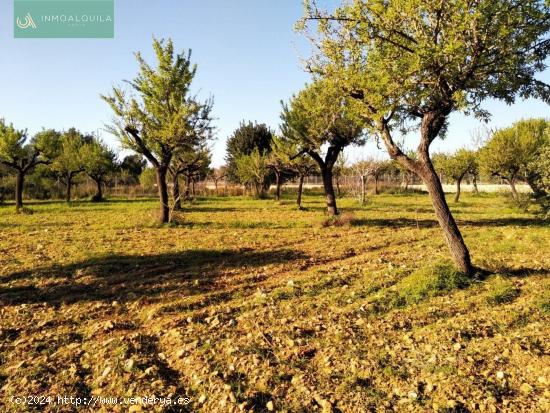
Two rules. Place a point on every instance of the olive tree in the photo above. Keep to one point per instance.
(159, 114)
(412, 63)
(321, 122)
(21, 156)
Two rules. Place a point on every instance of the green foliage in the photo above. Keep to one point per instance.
(244, 140)
(69, 160)
(454, 167)
(252, 170)
(511, 150)
(12, 144)
(411, 57)
(159, 114)
(318, 115)
(98, 159)
(148, 178)
(501, 291)
(131, 168)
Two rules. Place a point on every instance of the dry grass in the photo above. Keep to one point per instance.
(246, 305)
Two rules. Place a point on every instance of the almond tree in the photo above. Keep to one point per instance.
(98, 161)
(69, 161)
(509, 151)
(21, 156)
(321, 122)
(456, 166)
(159, 114)
(412, 63)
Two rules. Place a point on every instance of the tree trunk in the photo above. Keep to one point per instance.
(187, 193)
(277, 186)
(164, 215)
(216, 186)
(512, 183)
(98, 197)
(457, 195)
(193, 187)
(363, 190)
(455, 242)
(376, 185)
(19, 183)
(69, 183)
(329, 192)
(474, 182)
(176, 192)
(300, 187)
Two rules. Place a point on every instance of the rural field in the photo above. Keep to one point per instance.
(253, 305)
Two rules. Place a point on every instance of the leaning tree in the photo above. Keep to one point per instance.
(320, 117)
(412, 63)
(159, 114)
(21, 156)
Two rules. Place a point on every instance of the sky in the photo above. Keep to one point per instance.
(248, 57)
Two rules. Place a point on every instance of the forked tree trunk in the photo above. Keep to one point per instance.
(457, 195)
(176, 192)
(19, 183)
(300, 188)
(455, 242)
(329, 192)
(164, 215)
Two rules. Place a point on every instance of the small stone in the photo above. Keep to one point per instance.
(202, 399)
(129, 365)
(457, 346)
(180, 353)
(500, 374)
(269, 406)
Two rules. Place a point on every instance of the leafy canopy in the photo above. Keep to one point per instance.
(403, 59)
(159, 114)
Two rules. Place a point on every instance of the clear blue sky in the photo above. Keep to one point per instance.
(246, 50)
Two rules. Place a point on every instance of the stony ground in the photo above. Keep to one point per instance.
(256, 306)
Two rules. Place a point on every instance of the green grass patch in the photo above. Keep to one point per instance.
(501, 291)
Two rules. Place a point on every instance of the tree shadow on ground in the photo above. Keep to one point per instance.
(429, 223)
(118, 277)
